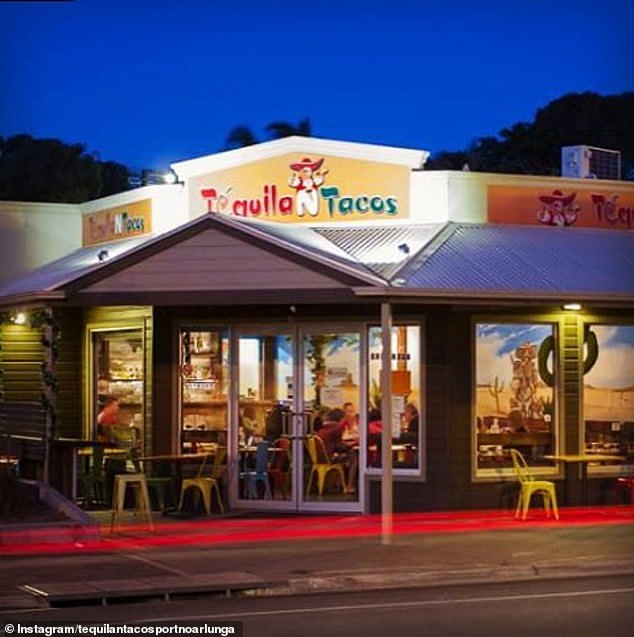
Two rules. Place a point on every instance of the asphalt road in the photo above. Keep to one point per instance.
(584, 607)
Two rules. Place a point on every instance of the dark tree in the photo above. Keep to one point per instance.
(242, 136)
(535, 147)
(50, 170)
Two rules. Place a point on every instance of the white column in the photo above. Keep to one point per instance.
(386, 419)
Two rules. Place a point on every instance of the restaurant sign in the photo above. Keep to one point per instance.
(300, 188)
(120, 222)
(584, 205)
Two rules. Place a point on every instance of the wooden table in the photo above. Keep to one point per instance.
(582, 460)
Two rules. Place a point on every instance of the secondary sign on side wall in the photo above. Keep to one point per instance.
(120, 222)
(589, 204)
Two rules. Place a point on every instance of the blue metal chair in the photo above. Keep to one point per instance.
(259, 474)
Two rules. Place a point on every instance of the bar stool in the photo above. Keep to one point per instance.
(142, 498)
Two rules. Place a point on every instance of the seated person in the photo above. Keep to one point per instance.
(409, 432)
(350, 423)
(375, 428)
(331, 432)
(274, 424)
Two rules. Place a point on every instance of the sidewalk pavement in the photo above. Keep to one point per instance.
(268, 553)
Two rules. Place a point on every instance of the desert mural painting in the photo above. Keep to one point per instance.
(507, 370)
(514, 395)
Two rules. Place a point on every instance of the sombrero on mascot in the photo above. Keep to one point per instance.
(307, 163)
(558, 197)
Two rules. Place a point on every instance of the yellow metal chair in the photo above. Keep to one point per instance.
(207, 485)
(529, 486)
(322, 465)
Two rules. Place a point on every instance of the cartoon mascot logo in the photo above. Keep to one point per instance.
(558, 209)
(306, 180)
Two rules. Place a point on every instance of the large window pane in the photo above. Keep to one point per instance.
(608, 389)
(205, 377)
(406, 398)
(120, 376)
(331, 396)
(514, 395)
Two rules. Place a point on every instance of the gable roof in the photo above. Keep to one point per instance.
(167, 263)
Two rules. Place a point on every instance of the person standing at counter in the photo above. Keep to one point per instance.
(108, 418)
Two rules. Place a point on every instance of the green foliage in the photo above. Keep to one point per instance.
(535, 147)
(50, 170)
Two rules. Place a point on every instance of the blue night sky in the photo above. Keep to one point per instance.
(147, 83)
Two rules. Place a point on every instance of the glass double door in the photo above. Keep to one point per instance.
(296, 441)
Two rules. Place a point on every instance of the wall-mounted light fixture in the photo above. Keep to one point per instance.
(571, 307)
(19, 318)
(170, 177)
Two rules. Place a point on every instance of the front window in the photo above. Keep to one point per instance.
(406, 397)
(204, 373)
(608, 390)
(514, 393)
(118, 362)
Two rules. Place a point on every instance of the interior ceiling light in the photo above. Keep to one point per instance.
(572, 307)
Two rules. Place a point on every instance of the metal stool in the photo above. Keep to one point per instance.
(142, 498)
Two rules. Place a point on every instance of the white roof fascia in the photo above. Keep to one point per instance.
(127, 197)
(410, 158)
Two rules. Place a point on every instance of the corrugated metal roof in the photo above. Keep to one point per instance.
(382, 249)
(433, 259)
(518, 259)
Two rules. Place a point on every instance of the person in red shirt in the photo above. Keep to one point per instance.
(108, 417)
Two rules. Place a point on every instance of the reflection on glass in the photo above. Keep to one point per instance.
(406, 400)
(331, 396)
(514, 393)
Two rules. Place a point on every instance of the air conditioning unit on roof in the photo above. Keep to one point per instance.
(583, 162)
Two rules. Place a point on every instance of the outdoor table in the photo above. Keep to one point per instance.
(582, 460)
(68, 456)
(175, 461)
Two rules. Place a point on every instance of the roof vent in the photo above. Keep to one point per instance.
(586, 162)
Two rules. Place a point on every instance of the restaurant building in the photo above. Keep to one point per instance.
(257, 293)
